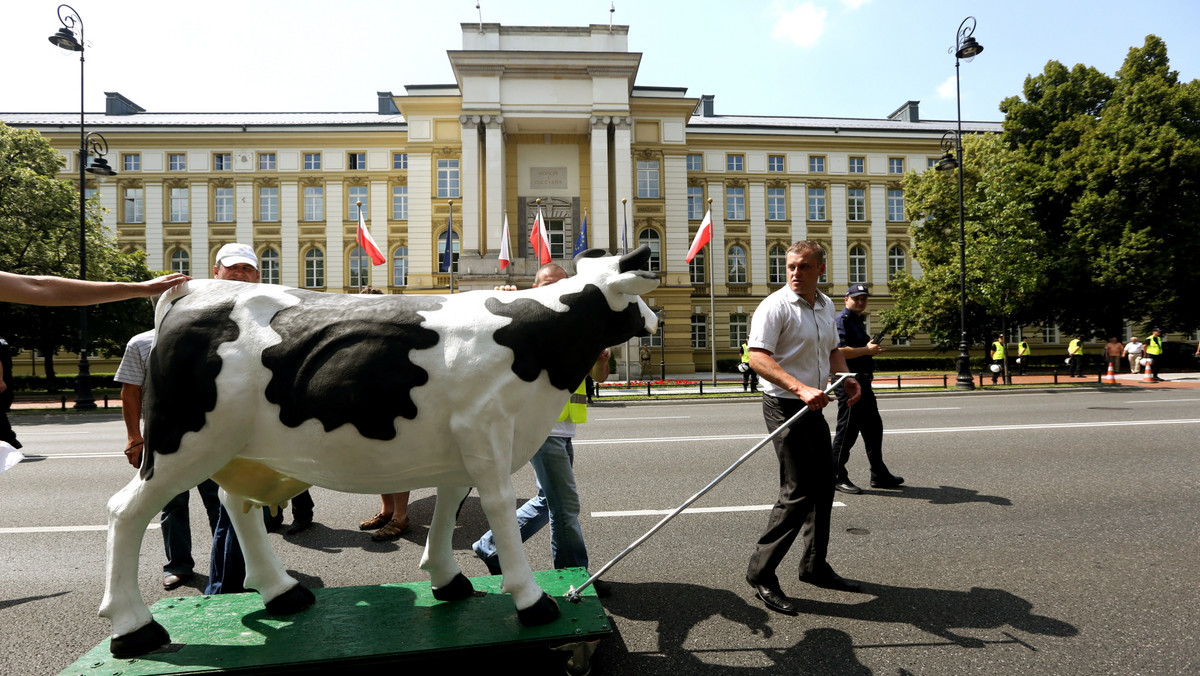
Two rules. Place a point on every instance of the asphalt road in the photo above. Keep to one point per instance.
(1037, 533)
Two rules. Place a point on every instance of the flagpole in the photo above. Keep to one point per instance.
(625, 250)
(450, 242)
(712, 310)
(361, 250)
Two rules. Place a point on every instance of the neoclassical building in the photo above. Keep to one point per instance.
(548, 118)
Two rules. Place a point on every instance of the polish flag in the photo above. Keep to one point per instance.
(703, 236)
(368, 244)
(540, 240)
(505, 259)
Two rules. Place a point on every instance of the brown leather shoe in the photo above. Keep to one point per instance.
(173, 581)
(378, 521)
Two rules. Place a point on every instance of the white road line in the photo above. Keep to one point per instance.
(34, 457)
(659, 417)
(945, 408)
(1156, 401)
(693, 510)
(61, 529)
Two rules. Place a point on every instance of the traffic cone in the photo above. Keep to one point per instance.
(1149, 377)
(1111, 378)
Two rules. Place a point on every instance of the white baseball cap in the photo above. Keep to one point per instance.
(234, 253)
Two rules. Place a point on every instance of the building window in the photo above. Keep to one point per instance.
(556, 232)
(774, 162)
(400, 266)
(895, 165)
(816, 204)
(222, 162)
(266, 161)
(695, 162)
(776, 204)
(177, 162)
(651, 341)
(738, 329)
(400, 203)
(181, 262)
(816, 164)
(135, 203)
(735, 162)
(268, 203)
(312, 161)
(314, 269)
(696, 269)
(223, 205)
(735, 204)
(356, 161)
(131, 161)
(447, 178)
(695, 202)
(399, 160)
(897, 261)
(901, 341)
(179, 210)
(354, 195)
(777, 265)
(856, 204)
(858, 265)
(737, 265)
(858, 165)
(454, 249)
(895, 205)
(314, 203)
(359, 268)
(647, 179)
(651, 239)
(699, 332)
(1050, 334)
(268, 266)
(931, 162)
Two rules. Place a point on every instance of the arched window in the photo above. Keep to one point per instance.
(650, 238)
(897, 261)
(441, 249)
(400, 266)
(181, 261)
(858, 265)
(359, 267)
(314, 269)
(696, 268)
(777, 265)
(737, 265)
(268, 266)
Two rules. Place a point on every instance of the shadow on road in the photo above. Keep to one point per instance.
(941, 495)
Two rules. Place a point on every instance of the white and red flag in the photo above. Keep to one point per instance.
(505, 258)
(367, 243)
(540, 240)
(703, 236)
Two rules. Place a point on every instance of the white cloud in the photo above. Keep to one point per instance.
(854, 4)
(802, 26)
(946, 89)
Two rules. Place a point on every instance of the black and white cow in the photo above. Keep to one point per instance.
(270, 390)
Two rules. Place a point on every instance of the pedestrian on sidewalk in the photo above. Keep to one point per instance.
(1134, 350)
(1112, 353)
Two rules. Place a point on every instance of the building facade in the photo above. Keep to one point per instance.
(547, 120)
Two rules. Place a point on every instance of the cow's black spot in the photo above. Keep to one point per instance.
(181, 386)
(348, 361)
(563, 344)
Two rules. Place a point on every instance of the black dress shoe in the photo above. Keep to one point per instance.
(848, 487)
(299, 526)
(773, 598)
(889, 482)
(172, 581)
(828, 579)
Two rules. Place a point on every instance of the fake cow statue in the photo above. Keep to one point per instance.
(270, 390)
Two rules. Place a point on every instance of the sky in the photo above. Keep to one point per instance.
(824, 58)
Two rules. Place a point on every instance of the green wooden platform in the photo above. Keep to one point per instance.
(350, 628)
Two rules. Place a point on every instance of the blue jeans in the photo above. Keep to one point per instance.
(226, 565)
(177, 527)
(556, 503)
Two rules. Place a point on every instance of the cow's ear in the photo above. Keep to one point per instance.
(591, 253)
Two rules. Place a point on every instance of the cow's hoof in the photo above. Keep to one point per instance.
(544, 611)
(457, 589)
(291, 601)
(140, 641)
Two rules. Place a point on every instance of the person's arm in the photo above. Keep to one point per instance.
(837, 364)
(601, 368)
(131, 413)
(59, 291)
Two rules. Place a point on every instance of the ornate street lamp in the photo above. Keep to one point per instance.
(965, 48)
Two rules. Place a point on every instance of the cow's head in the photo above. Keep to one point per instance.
(623, 280)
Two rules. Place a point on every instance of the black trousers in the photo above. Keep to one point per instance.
(861, 418)
(805, 500)
(6, 431)
(1076, 366)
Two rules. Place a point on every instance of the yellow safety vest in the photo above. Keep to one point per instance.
(745, 354)
(1076, 347)
(576, 408)
(1023, 349)
(997, 350)
(1154, 345)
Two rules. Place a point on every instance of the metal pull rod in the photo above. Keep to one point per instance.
(573, 594)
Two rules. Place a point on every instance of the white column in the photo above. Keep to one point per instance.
(335, 208)
(377, 224)
(154, 226)
(291, 267)
(495, 205)
(201, 266)
(675, 189)
(420, 214)
(716, 249)
(623, 173)
(839, 269)
(799, 199)
(469, 170)
(243, 212)
(758, 231)
(600, 220)
(878, 214)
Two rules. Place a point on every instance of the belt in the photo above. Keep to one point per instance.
(578, 398)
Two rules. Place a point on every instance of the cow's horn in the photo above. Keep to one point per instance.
(636, 259)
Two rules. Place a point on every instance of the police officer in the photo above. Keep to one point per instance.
(999, 358)
(1075, 355)
(1023, 353)
(1154, 353)
(749, 377)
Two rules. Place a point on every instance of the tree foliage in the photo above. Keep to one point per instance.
(39, 235)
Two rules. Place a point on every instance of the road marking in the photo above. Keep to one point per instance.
(944, 408)
(657, 417)
(1156, 401)
(62, 529)
(34, 457)
(693, 510)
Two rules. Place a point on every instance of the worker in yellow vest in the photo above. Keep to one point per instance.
(749, 376)
(1154, 350)
(999, 359)
(1075, 357)
(1023, 354)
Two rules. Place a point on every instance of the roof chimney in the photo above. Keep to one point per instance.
(907, 112)
(115, 104)
(387, 104)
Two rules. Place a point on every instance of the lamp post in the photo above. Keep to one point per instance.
(66, 39)
(965, 47)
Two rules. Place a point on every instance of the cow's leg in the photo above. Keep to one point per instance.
(446, 578)
(281, 593)
(129, 512)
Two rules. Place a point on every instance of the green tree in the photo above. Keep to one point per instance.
(39, 235)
